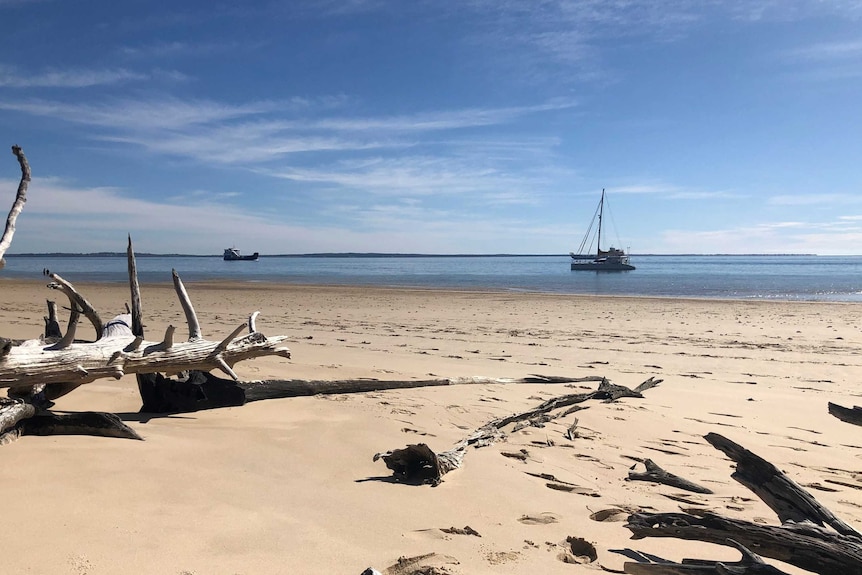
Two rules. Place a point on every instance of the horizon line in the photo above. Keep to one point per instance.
(389, 255)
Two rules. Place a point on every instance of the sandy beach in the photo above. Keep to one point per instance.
(289, 485)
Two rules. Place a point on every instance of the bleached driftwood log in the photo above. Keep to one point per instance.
(120, 353)
(39, 371)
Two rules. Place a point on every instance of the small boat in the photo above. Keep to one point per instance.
(233, 255)
(610, 260)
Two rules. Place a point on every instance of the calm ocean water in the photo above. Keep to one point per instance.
(816, 278)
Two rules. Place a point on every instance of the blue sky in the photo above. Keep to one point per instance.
(468, 126)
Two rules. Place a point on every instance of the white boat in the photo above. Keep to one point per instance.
(610, 260)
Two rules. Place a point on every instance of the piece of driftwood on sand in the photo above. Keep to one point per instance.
(418, 463)
(196, 390)
(810, 536)
(849, 415)
(656, 474)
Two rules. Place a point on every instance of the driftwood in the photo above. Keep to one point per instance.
(846, 414)
(811, 537)
(418, 463)
(36, 372)
(656, 474)
(195, 390)
(750, 564)
(17, 205)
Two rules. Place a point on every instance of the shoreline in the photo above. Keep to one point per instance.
(249, 285)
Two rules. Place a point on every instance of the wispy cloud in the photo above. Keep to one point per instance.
(674, 192)
(139, 115)
(828, 51)
(177, 48)
(259, 132)
(441, 120)
(71, 78)
(823, 237)
(814, 199)
(408, 176)
(201, 221)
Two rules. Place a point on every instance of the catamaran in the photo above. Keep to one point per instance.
(610, 260)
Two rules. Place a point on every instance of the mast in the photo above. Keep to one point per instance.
(601, 210)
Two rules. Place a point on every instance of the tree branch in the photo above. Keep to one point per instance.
(17, 205)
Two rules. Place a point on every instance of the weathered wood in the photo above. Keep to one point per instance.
(125, 354)
(188, 309)
(203, 390)
(83, 423)
(750, 564)
(195, 391)
(846, 414)
(52, 326)
(656, 474)
(78, 303)
(430, 466)
(805, 539)
(17, 205)
(135, 292)
(783, 495)
(801, 544)
(12, 411)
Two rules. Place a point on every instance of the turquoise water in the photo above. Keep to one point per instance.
(815, 278)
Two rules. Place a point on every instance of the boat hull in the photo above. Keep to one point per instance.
(233, 257)
(601, 267)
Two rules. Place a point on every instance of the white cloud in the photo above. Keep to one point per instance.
(824, 238)
(71, 78)
(814, 199)
(669, 192)
(829, 51)
(167, 113)
(408, 176)
(59, 216)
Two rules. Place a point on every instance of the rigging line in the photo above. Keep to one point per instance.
(613, 224)
(589, 235)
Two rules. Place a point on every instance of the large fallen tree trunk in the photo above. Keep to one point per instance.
(811, 537)
(197, 390)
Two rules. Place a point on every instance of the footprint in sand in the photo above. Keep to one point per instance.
(610, 515)
(578, 550)
(430, 563)
(544, 518)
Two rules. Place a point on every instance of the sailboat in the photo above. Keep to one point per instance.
(610, 260)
